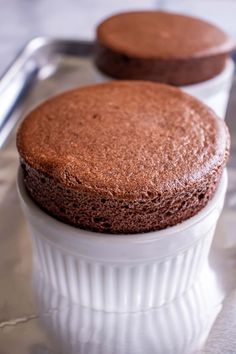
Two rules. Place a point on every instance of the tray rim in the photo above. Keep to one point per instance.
(24, 68)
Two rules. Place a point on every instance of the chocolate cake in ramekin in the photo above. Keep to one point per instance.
(168, 48)
(122, 158)
(160, 46)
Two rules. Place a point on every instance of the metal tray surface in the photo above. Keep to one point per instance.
(35, 320)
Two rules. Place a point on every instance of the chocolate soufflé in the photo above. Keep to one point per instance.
(122, 157)
(162, 47)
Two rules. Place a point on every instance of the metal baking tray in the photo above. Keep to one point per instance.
(33, 319)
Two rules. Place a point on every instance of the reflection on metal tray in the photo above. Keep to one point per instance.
(35, 320)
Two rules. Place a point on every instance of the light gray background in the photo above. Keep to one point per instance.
(21, 20)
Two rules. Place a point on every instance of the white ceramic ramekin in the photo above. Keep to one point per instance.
(214, 92)
(122, 273)
(176, 328)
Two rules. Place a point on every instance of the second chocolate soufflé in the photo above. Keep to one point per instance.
(122, 157)
(161, 46)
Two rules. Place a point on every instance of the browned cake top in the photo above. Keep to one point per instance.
(132, 140)
(154, 34)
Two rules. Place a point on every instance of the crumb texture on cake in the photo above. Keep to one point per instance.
(122, 157)
(160, 46)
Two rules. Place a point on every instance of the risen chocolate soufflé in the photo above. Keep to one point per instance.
(122, 157)
(162, 47)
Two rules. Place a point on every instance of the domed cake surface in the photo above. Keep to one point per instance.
(122, 157)
(162, 47)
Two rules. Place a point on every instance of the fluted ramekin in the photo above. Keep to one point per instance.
(121, 273)
(176, 328)
(214, 92)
